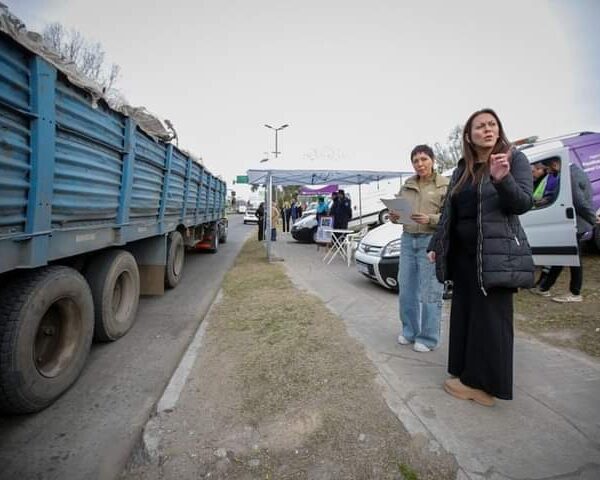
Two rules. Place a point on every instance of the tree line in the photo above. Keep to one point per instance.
(88, 57)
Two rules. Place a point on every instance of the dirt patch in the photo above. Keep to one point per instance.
(573, 325)
(281, 391)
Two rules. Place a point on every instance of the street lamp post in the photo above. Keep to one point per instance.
(276, 152)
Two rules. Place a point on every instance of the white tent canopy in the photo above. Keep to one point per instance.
(313, 177)
(320, 177)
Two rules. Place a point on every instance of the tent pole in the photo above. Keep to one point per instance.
(269, 210)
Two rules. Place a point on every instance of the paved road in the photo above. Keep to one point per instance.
(90, 431)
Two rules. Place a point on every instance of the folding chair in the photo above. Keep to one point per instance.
(352, 241)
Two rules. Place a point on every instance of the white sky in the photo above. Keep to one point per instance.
(359, 82)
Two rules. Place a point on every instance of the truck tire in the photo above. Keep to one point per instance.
(597, 237)
(46, 327)
(114, 280)
(175, 259)
(223, 233)
(215, 241)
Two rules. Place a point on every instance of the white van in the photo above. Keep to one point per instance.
(370, 209)
(552, 229)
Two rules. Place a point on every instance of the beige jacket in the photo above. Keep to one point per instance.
(425, 197)
(274, 214)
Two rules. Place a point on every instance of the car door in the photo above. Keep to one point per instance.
(551, 229)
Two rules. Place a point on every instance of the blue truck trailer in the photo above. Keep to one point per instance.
(94, 211)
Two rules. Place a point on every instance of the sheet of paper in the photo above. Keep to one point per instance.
(402, 207)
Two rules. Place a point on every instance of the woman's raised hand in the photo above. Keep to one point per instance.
(500, 165)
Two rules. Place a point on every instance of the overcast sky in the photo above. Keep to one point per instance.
(359, 82)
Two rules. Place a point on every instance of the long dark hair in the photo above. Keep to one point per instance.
(470, 154)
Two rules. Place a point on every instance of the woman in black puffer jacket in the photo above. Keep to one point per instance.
(481, 246)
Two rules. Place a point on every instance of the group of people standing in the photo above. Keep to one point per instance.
(289, 214)
(340, 209)
(466, 230)
(261, 215)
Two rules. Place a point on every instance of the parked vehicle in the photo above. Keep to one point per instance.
(305, 228)
(241, 208)
(93, 212)
(250, 216)
(551, 229)
(377, 255)
(373, 210)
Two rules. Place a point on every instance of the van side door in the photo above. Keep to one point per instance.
(551, 228)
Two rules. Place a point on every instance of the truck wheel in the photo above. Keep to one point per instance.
(175, 259)
(384, 216)
(597, 237)
(46, 326)
(223, 234)
(115, 283)
(215, 241)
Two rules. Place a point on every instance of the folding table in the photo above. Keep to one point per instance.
(339, 244)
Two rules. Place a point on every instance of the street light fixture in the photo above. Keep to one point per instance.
(276, 152)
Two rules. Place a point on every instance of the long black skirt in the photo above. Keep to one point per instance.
(481, 332)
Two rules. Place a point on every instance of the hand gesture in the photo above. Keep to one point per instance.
(394, 216)
(500, 165)
(431, 256)
(420, 218)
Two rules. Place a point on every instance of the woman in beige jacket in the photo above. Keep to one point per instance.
(420, 292)
(274, 220)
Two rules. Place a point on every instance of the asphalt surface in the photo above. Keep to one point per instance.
(90, 432)
(550, 430)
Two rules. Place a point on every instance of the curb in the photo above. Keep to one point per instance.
(148, 445)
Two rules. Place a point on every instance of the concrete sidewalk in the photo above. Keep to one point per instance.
(550, 430)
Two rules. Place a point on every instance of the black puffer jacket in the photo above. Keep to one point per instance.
(503, 253)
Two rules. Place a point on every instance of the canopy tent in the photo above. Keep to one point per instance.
(320, 177)
(314, 177)
(318, 190)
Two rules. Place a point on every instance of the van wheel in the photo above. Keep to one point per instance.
(46, 326)
(314, 234)
(175, 259)
(384, 216)
(115, 283)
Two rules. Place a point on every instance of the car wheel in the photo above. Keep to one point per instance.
(384, 216)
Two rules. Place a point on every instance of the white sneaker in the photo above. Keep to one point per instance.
(419, 347)
(568, 298)
(541, 293)
(402, 340)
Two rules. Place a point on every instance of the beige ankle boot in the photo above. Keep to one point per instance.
(457, 389)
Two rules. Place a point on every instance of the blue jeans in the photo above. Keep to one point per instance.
(420, 292)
